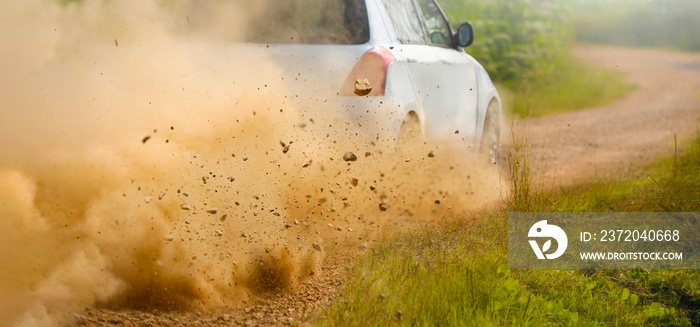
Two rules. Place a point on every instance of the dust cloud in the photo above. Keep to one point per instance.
(143, 167)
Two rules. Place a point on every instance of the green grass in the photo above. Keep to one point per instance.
(574, 85)
(457, 274)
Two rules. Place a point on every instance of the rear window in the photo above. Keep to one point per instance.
(276, 21)
(304, 21)
(310, 22)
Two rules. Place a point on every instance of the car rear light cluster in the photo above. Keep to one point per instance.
(372, 66)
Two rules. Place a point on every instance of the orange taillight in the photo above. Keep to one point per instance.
(372, 66)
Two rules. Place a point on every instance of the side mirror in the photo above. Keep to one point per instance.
(465, 35)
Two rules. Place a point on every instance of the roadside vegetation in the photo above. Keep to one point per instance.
(457, 273)
(525, 47)
(657, 23)
(517, 41)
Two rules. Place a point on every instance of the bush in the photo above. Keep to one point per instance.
(517, 41)
(655, 23)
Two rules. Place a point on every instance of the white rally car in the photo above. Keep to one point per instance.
(413, 60)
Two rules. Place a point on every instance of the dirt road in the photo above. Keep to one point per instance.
(596, 143)
(613, 139)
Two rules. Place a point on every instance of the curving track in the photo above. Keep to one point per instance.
(613, 139)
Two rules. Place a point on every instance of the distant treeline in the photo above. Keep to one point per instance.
(642, 23)
(517, 41)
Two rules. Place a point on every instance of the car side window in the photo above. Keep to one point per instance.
(438, 28)
(405, 16)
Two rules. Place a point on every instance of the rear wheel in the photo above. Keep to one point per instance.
(410, 131)
(491, 138)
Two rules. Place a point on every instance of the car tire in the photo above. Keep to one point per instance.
(490, 146)
(410, 131)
